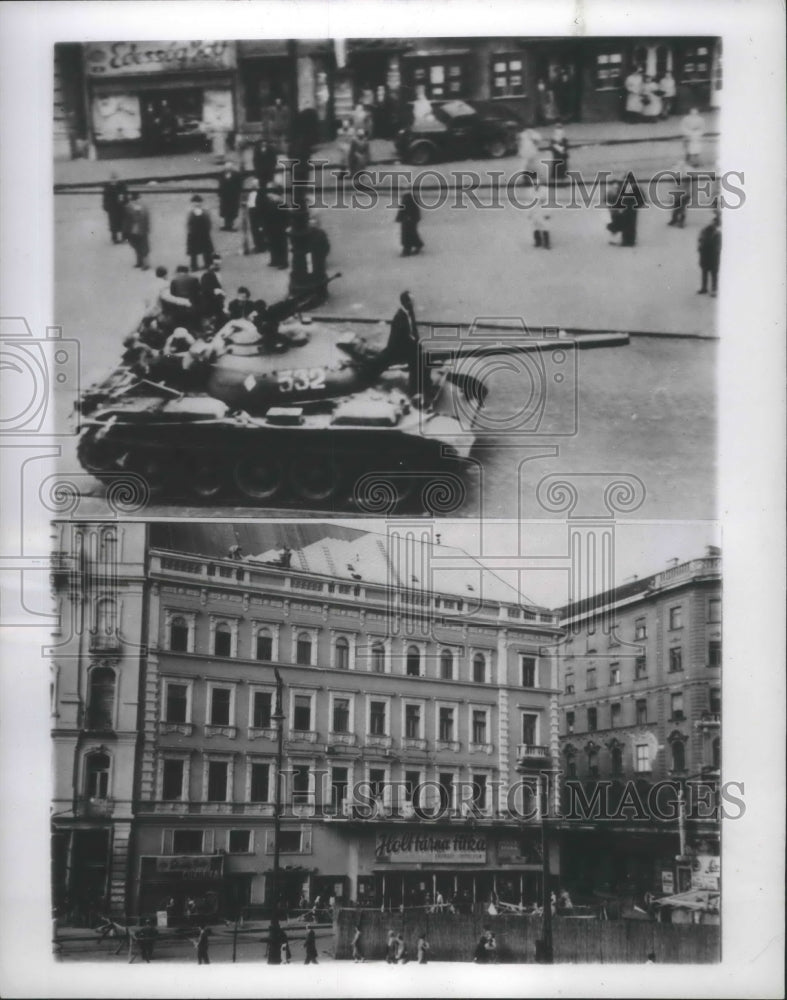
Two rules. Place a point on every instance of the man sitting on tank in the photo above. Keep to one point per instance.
(242, 306)
(402, 347)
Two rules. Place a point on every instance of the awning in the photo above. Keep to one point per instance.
(698, 899)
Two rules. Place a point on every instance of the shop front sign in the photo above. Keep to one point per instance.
(184, 867)
(103, 59)
(431, 848)
(705, 872)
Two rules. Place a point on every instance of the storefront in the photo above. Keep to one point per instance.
(160, 97)
(188, 887)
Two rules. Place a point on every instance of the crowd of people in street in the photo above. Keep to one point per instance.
(648, 99)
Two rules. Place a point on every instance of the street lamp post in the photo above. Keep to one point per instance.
(274, 957)
(546, 893)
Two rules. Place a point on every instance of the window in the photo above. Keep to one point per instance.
(676, 706)
(642, 759)
(640, 628)
(678, 756)
(714, 653)
(696, 64)
(290, 841)
(446, 781)
(715, 700)
(217, 780)
(593, 763)
(528, 671)
(716, 752)
(303, 650)
(172, 780)
(97, 775)
(446, 665)
(614, 714)
(259, 785)
(106, 625)
(614, 674)
(187, 841)
(377, 718)
(220, 706)
(641, 708)
(101, 699)
(412, 779)
(378, 658)
(341, 715)
(675, 659)
(302, 713)
(591, 679)
(479, 793)
(592, 720)
(440, 80)
(569, 683)
(616, 760)
(676, 617)
(640, 667)
(262, 702)
(264, 644)
(569, 723)
(479, 668)
(507, 76)
(222, 640)
(339, 782)
(446, 724)
(176, 703)
(239, 842)
(412, 721)
(300, 784)
(609, 70)
(179, 635)
(529, 729)
(413, 664)
(479, 725)
(714, 610)
(571, 768)
(376, 783)
(342, 653)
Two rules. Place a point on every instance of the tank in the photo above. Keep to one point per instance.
(304, 419)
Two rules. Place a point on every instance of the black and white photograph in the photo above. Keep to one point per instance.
(393, 465)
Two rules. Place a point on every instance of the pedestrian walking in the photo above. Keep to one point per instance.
(626, 201)
(709, 247)
(539, 220)
(491, 948)
(481, 955)
(680, 198)
(253, 223)
(276, 939)
(357, 945)
(136, 229)
(530, 152)
(402, 957)
(319, 246)
(390, 947)
(310, 946)
(275, 219)
(230, 186)
(114, 200)
(199, 242)
(693, 130)
(422, 948)
(408, 216)
(558, 146)
(201, 944)
(358, 154)
(264, 162)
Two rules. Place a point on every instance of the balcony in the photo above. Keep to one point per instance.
(709, 720)
(213, 730)
(378, 740)
(452, 745)
(481, 748)
(302, 736)
(95, 808)
(531, 755)
(342, 739)
(183, 728)
(261, 733)
(413, 743)
(104, 643)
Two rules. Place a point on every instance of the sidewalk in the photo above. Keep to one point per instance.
(201, 165)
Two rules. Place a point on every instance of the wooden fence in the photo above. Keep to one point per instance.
(453, 937)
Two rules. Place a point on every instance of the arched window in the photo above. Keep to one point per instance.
(222, 640)
(264, 644)
(97, 775)
(446, 665)
(378, 658)
(479, 668)
(413, 662)
(101, 698)
(303, 649)
(678, 756)
(716, 748)
(179, 635)
(342, 650)
(616, 756)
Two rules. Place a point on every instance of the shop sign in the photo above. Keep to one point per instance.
(667, 883)
(190, 866)
(705, 872)
(135, 58)
(431, 848)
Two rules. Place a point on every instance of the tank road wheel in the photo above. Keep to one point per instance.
(154, 467)
(315, 477)
(205, 478)
(259, 477)
(95, 456)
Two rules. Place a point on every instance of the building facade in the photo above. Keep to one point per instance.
(416, 690)
(640, 711)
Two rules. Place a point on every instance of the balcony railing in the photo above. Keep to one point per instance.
(709, 720)
(261, 733)
(183, 728)
(302, 736)
(342, 739)
(104, 643)
(90, 807)
(530, 753)
(379, 740)
(481, 748)
(453, 745)
(213, 730)
(413, 743)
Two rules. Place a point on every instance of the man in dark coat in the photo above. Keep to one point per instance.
(229, 188)
(254, 224)
(114, 200)
(408, 216)
(213, 292)
(626, 200)
(319, 248)
(183, 302)
(310, 945)
(242, 307)
(709, 247)
(403, 344)
(198, 238)
(275, 221)
(136, 229)
(264, 163)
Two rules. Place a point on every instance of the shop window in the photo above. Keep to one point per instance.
(412, 721)
(172, 780)
(529, 729)
(592, 720)
(440, 80)
(342, 653)
(303, 650)
(264, 644)
(569, 723)
(676, 617)
(614, 714)
(239, 842)
(641, 708)
(97, 775)
(678, 756)
(220, 706)
(642, 758)
(479, 725)
(446, 724)
(302, 713)
(378, 658)
(413, 663)
(614, 674)
(714, 610)
(479, 668)
(591, 679)
(640, 628)
(446, 665)
(259, 786)
(696, 64)
(608, 70)
(101, 699)
(640, 667)
(714, 653)
(262, 707)
(187, 841)
(508, 78)
(179, 635)
(676, 706)
(616, 761)
(217, 780)
(377, 722)
(675, 660)
(341, 715)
